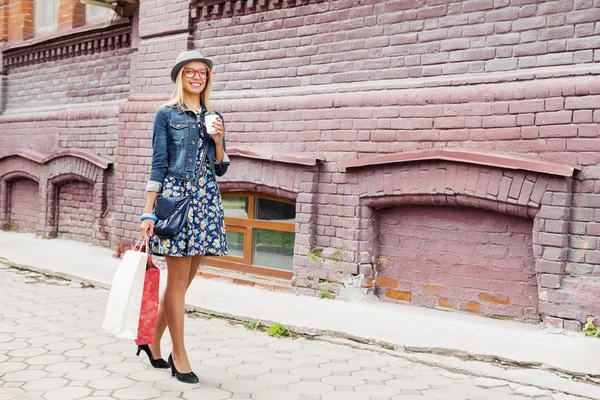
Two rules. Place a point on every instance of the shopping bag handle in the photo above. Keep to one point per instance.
(137, 244)
(145, 241)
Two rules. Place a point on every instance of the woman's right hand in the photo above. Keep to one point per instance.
(147, 228)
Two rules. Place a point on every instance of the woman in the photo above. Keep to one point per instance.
(185, 160)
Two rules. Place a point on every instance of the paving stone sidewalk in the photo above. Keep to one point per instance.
(52, 347)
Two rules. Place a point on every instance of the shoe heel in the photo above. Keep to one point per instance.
(138, 351)
(172, 371)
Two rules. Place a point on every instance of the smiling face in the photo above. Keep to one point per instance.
(194, 77)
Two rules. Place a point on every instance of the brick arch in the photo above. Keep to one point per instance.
(233, 186)
(456, 200)
(70, 177)
(12, 176)
(51, 171)
(523, 186)
(13, 165)
(75, 167)
(283, 175)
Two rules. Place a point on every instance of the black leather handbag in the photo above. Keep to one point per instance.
(172, 214)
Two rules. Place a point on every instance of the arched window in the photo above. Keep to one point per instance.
(260, 234)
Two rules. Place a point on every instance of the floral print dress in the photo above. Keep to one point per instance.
(204, 233)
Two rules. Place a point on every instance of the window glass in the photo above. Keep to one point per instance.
(275, 211)
(235, 207)
(273, 249)
(46, 15)
(97, 13)
(235, 244)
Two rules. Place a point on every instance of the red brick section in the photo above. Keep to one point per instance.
(473, 260)
(76, 217)
(71, 14)
(23, 206)
(20, 20)
(4, 20)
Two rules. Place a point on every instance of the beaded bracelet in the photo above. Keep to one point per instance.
(146, 216)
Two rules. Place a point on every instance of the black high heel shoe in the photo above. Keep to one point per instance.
(189, 377)
(160, 363)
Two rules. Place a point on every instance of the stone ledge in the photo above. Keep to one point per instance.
(488, 158)
(276, 157)
(42, 158)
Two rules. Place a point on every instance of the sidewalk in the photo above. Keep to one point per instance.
(408, 328)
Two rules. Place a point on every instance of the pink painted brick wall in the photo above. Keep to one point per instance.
(500, 116)
(162, 17)
(86, 78)
(24, 205)
(337, 42)
(460, 258)
(87, 127)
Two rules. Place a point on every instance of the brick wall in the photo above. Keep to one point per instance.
(20, 20)
(164, 17)
(3, 20)
(458, 258)
(93, 128)
(556, 118)
(338, 80)
(134, 157)
(87, 78)
(71, 14)
(343, 41)
(24, 206)
(76, 217)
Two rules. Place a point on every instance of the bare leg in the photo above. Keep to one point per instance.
(161, 324)
(178, 272)
(196, 261)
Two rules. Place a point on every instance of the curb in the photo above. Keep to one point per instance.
(538, 375)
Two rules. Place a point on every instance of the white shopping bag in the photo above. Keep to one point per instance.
(125, 297)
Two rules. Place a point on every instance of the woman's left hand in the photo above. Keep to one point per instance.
(220, 131)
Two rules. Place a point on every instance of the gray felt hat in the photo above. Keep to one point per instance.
(186, 57)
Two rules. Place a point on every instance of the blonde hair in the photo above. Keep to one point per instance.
(176, 99)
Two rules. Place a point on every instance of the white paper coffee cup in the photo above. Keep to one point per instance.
(209, 118)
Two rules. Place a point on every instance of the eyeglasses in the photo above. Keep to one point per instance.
(191, 73)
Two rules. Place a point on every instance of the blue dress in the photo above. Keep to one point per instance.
(204, 233)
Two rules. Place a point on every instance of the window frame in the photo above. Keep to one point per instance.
(247, 226)
(37, 29)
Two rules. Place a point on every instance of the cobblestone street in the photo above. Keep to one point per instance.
(52, 347)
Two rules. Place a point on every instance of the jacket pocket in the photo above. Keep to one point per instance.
(178, 131)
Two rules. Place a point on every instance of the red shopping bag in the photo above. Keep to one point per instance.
(149, 310)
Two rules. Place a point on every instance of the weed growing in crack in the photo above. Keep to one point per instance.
(278, 330)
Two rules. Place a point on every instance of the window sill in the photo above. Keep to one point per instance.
(225, 263)
(242, 278)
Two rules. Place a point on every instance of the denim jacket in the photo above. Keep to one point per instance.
(175, 136)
